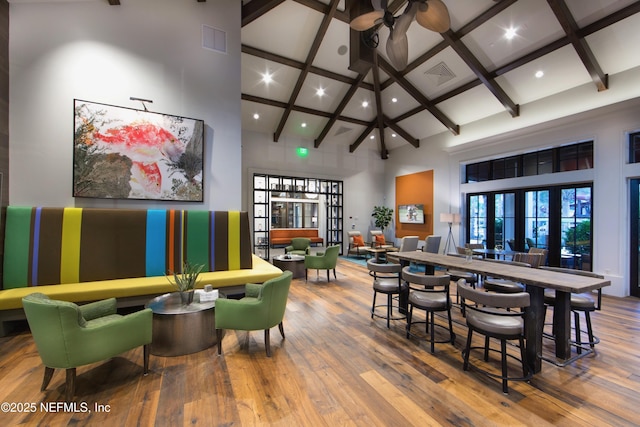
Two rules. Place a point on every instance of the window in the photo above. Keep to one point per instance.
(478, 219)
(567, 158)
(634, 147)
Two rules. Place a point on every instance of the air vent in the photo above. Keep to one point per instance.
(440, 74)
(214, 39)
(341, 130)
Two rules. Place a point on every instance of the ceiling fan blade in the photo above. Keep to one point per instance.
(379, 4)
(366, 21)
(435, 17)
(402, 23)
(398, 51)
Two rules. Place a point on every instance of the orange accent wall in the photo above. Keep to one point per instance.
(416, 188)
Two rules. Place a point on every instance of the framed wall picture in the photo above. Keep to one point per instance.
(124, 153)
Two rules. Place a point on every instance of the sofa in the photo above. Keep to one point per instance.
(283, 236)
(86, 254)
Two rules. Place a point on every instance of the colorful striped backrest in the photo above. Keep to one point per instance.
(67, 245)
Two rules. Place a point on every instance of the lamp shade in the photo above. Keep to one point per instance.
(453, 218)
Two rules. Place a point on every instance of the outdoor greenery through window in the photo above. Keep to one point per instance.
(560, 159)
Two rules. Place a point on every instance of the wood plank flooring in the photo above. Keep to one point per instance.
(336, 366)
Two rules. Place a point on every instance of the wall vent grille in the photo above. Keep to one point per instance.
(214, 39)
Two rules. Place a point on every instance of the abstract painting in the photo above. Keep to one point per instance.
(124, 153)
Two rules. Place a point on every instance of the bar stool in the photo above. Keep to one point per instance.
(490, 314)
(580, 303)
(504, 286)
(431, 295)
(387, 279)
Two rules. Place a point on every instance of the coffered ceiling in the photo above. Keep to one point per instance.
(467, 74)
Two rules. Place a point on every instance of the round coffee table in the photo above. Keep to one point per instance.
(292, 263)
(181, 329)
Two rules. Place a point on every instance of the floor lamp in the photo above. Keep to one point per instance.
(450, 218)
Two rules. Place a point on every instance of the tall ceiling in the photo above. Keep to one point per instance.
(464, 75)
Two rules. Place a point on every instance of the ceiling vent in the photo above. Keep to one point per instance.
(440, 74)
(214, 39)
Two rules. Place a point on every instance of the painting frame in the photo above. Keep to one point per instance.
(127, 153)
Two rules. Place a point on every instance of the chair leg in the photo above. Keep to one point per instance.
(281, 328)
(389, 308)
(465, 366)
(70, 388)
(328, 276)
(267, 342)
(453, 336)
(587, 318)
(334, 274)
(145, 352)
(409, 316)
(503, 351)
(219, 336)
(373, 306)
(432, 331)
(486, 348)
(48, 374)
(576, 317)
(306, 274)
(523, 356)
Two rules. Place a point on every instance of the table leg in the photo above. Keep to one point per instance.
(562, 324)
(403, 298)
(534, 325)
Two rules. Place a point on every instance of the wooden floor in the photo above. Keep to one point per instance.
(337, 366)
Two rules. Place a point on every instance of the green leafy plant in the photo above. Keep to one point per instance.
(383, 216)
(188, 279)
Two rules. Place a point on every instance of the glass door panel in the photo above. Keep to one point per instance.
(575, 228)
(477, 219)
(504, 228)
(634, 205)
(537, 219)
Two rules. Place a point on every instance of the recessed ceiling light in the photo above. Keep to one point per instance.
(365, 104)
(256, 116)
(394, 99)
(304, 125)
(266, 77)
(320, 91)
(393, 135)
(372, 137)
(539, 74)
(510, 33)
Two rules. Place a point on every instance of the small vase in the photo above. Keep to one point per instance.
(186, 297)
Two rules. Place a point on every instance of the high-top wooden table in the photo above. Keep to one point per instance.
(536, 280)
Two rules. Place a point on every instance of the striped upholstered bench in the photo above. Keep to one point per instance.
(82, 254)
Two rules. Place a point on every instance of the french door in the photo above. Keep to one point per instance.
(634, 251)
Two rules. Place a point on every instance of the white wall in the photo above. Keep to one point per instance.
(92, 51)
(607, 126)
(362, 172)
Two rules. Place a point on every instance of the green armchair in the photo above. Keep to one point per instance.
(262, 307)
(68, 335)
(299, 246)
(325, 261)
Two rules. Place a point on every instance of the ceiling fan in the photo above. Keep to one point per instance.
(431, 14)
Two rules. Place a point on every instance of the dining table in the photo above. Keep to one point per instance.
(494, 253)
(536, 281)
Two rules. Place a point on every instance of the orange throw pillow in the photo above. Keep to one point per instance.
(380, 239)
(358, 241)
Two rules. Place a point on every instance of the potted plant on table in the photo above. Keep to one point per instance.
(186, 281)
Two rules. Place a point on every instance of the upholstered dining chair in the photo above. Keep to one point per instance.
(431, 294)
(407, 244)
(68, 336)
(298, 246)
(504, 286)
(326, 260)
(262, 307)
(432, 244)
(491, 315)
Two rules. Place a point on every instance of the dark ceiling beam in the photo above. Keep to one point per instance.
(256, 8)
(300, 65)
(300, 109)
(114, 2)
(403, 133)
(353, 147)
(418, 96)
(615, 17)
(484, 17)
(570, 27)
(324, 26)
(379, 116)
(336, 114)
(480, 72)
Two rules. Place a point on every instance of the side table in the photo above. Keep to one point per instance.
(292, 263)
(181, 329)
